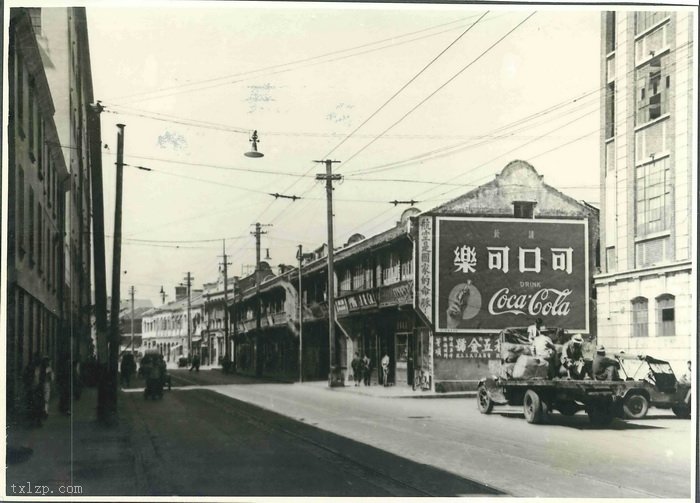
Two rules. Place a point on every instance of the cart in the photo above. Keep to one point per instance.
(539, 396)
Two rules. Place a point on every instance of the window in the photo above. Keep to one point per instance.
(20, 94)
(640, 317)
(651, 142)
(20, 209)
(40, 149)
(653, 197)
(407, 269)
(40, 237)
(652, 251)
(31, 226)
(391, 269)
(32, 113)
(345, 283)
(35, 16)
(666, 315)
(609, 31)
(645, 20)
(610, 110)
(524, 209)
(653, 85)
(610, 259)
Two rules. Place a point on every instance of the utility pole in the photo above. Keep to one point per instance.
(131, 291)
(189, 279)
(329, 177)
(233, 309)
(110, 406)
(100, 268)
(258, 363)
(300, 256)
(227, 356)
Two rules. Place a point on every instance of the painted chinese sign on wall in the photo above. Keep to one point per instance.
(451, 347)
(493, 273)
(424, 272)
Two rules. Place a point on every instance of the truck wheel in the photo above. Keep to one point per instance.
(483, 401)
(636, 406)
(532, 407)
(567, 408)
(681, 410)
(600, 414)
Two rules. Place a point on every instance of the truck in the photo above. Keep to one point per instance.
(540, 395)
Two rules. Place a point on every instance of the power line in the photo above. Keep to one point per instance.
(410, 81)
(391, 99)
(440, 87)
(390, 40)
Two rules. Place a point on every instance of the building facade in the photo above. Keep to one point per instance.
(49, 250)
(645, 287)
(165, 329)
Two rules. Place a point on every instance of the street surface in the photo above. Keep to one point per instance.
(565, 458)
(198, 443)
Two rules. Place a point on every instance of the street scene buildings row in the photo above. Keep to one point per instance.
(639, 275)
(415, 292)
(49, 211)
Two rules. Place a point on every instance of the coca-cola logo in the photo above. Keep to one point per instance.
(545, 301)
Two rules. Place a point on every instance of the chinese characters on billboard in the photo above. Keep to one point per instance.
(493, 273)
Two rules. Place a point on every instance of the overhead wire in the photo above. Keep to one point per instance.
(393, 96)
(253, 73)
(424, 100)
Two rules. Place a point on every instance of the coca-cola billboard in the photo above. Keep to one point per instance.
(493, 273)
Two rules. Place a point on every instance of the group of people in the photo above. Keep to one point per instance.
(362, 369)
(570, 361)
(38, 380)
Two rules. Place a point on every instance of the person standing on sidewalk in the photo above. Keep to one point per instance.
(385, 369)
(367, 369)
(357, 368)
(45, 380)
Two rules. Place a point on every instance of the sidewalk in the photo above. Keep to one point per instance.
(377, 390)
(77, 455)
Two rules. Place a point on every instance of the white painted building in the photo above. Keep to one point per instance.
(646, 286)
(164, 328)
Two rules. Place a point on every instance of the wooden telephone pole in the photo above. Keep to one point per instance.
(329, 178)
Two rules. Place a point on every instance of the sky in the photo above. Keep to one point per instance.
(436, 100)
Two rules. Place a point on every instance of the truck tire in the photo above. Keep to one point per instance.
(635, 406)
(483, 400)
(532, 407)
(600, 414)
(567, 407)
(682, 410)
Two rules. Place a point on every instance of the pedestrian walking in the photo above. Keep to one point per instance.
(385, 369)
(357, 372)
(45, 382)
(366, 369)
(195, 363)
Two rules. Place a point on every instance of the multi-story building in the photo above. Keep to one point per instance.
(164, 328)
(645, 287)
(48, 253)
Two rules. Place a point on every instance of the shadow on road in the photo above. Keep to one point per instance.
(240, 449)
(581, 422)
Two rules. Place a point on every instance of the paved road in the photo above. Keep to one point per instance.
(199, 443)
(566, 458)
